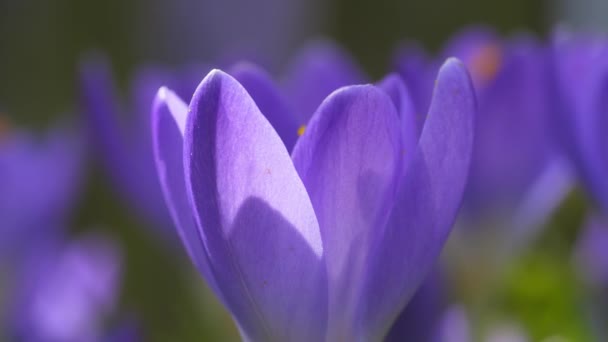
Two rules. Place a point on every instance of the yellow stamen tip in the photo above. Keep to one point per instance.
(301, 130)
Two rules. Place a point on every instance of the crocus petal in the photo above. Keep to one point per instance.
(266, 96)
(349, 159)
(265, 251)
(319, 69)
(582, 86)
(427, 202)
(515, 111)
(394, 86)
(169, 115)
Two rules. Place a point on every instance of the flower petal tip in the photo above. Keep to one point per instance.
(162, 93)
(215, 73)
(166, 98)
(451, 63)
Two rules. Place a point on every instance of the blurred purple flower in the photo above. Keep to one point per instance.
(517, 176)
(63, 292)
(331, 243)
(581, 68)
(40, 177)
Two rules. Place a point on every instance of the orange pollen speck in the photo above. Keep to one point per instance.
(301, 130)
(486, 62)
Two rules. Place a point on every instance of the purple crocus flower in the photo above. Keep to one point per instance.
(330, 243)
(29, 201)
(64, 291)
(517, 176)
(581, 70)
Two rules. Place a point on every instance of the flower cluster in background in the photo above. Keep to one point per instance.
(266, 182)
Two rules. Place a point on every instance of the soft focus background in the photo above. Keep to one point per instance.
(42, 43)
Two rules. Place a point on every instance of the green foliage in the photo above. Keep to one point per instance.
(541, 289)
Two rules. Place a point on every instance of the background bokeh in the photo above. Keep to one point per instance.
(42, 42)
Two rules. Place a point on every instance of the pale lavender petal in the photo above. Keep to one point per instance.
(265, 251)
(427, 202)
(394, 86)
(318, 70)
(350, 161)
(169, 114)
(260, 87)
